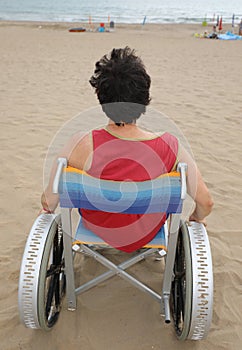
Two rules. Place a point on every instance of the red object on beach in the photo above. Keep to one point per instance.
(77, 30)
(220, 26)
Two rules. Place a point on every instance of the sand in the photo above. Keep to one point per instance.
(44, 83)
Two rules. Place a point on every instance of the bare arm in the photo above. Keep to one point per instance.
(77, 152)
(196, 188)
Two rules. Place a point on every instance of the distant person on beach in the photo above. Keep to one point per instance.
(122, 150)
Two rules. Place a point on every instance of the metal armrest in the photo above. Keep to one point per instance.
(62, 163)
(182, 168)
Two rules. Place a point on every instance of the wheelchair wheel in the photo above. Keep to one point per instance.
(42, 279)
(192, 287)
(181, 290)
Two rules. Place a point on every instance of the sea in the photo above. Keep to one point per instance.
(121, 11)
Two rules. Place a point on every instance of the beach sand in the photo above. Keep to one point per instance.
(44, 83)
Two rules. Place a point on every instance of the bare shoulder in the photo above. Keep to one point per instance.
(144, 133)
(81, 152)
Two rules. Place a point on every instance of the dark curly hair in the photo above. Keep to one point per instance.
(121, 77)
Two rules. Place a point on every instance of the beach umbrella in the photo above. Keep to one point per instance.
(220, 26)
(205, 23)
(217, 21)
(233, 21)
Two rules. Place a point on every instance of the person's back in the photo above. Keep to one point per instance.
(135, 156)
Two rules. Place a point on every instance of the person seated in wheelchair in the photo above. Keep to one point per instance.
(124, 151)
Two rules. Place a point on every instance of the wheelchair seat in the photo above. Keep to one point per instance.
(47, 270)
(85, 236)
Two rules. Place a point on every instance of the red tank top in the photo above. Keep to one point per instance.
(128, 160)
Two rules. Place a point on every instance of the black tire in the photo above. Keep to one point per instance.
(52, 281)
(181, 289)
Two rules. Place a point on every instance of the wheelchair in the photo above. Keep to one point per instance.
(47, 269)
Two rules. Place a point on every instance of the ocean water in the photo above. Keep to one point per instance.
(122, 11)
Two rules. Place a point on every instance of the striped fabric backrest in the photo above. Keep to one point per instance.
(77, 189)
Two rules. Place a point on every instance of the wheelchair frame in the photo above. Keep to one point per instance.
(187, 290)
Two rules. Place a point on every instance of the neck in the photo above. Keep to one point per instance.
(120, 124)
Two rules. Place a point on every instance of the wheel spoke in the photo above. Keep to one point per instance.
(176, 303)
(52, 270)
(54, 292)
(57, 291)
(181, 300)
(49, 296)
